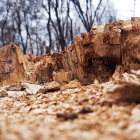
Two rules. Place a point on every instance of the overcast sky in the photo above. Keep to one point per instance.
(125, 8)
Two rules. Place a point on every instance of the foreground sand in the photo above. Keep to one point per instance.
(71, 112)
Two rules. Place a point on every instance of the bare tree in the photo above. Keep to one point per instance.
(61, 23)
(88, 15)
(45, 26)
(5, 11)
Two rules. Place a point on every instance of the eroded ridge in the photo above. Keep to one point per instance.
(94, 56)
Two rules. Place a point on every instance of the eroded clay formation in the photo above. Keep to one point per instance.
(95, 55)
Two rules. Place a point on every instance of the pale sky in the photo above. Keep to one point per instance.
(125, 8)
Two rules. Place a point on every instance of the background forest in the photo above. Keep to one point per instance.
(44, 26)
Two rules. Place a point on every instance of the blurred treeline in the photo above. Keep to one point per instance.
(41, 26)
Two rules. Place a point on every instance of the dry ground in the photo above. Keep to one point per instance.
(73, 112)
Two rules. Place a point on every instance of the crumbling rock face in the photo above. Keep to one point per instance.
(99, 52)
(16, 67)
(95, 55)
(63, 77)
(13, 65)
(42, 68)
(131, 46)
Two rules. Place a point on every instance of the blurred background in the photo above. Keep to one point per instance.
(45, 26)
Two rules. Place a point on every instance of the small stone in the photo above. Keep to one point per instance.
(22, 88)
(70, 116)
(42, 81)
(85, 110)
(3, 94)
(52, 87)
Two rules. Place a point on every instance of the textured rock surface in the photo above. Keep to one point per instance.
(63, 77)
(13, 65)
(16, 67)
(94, 56)
(42, 68)
(99, 52)
(131, 46)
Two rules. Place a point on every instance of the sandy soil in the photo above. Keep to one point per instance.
(69, 112)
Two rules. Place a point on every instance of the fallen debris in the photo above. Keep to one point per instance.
(63, 77)
(51, 87)
(129, 92)
(3, 94)
(17, 87)
(85, 110)
(70, 116)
